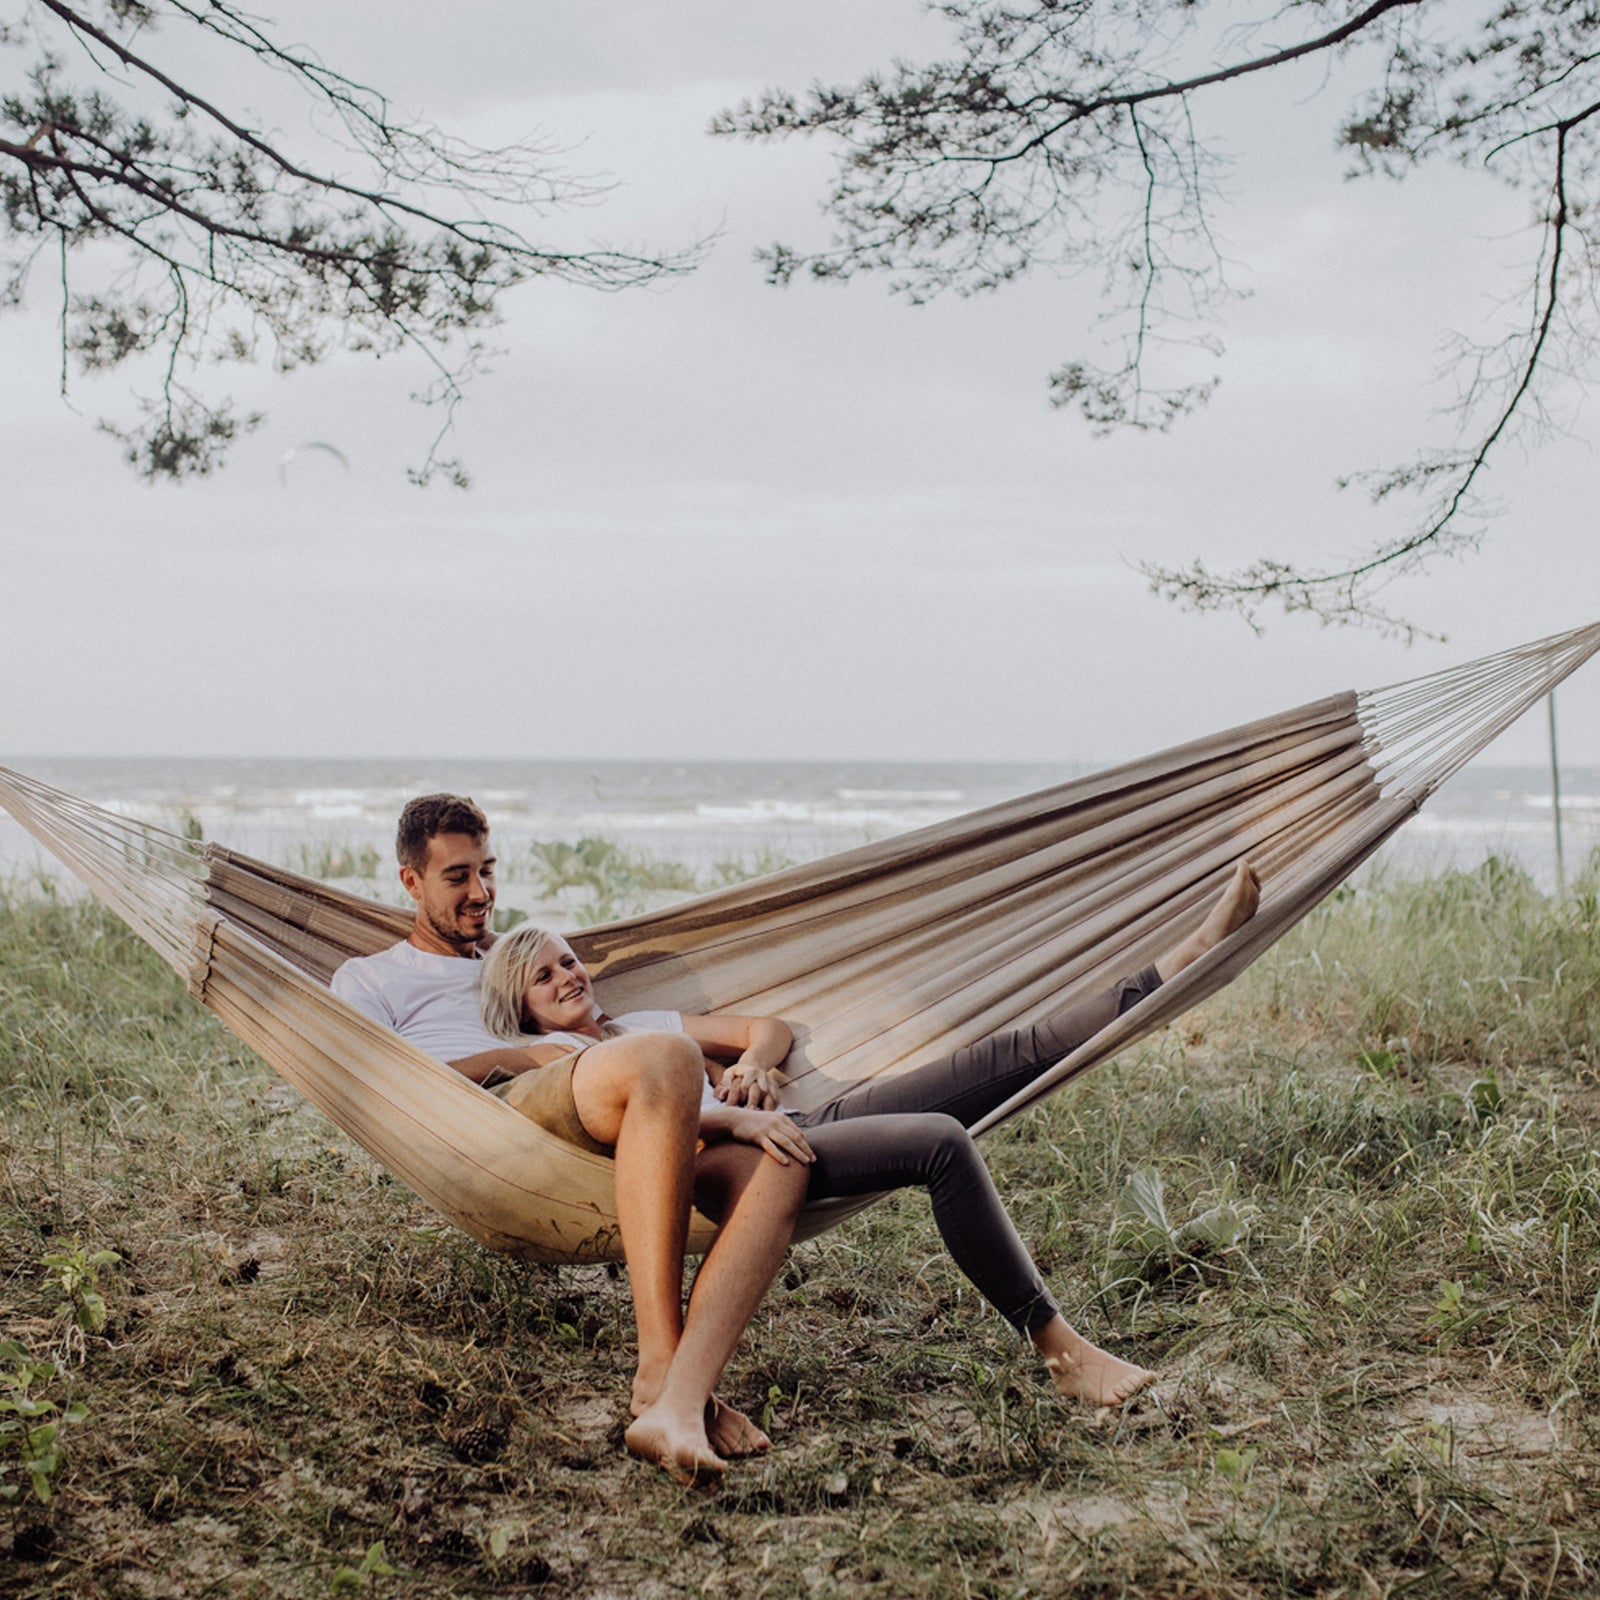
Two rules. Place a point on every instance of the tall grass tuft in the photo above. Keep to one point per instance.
(597, 880)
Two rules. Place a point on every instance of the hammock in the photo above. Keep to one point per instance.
(880, 958)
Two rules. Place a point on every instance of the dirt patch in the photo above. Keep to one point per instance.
(1483, 1427)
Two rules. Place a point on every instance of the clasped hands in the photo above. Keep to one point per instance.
(745, 1084)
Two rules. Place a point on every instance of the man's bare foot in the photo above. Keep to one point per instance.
(681, 1448)
(1097, 1376)
(732, 1434)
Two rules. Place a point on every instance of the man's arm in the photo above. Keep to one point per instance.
(513, 1058)
(355, 988)
(772, 1131)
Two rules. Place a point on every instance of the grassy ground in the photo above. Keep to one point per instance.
(1387, 1383)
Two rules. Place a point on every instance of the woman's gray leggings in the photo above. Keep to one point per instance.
(911, 1130)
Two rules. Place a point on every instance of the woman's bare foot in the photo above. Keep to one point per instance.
(678, 1446)
(1083, 1371)
(732, 1433)
(646, 1387)
(1234, 907)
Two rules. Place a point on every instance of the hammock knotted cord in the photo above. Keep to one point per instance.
(880, 958)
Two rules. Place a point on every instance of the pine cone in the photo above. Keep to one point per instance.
(476, 1440)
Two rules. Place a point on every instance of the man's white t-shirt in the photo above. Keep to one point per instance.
(429, 1000)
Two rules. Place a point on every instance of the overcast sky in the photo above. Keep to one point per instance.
(716, 519)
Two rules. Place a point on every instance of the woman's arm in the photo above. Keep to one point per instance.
(755, 1047)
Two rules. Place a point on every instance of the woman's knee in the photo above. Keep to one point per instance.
(651, 1072)
(794, 1185)
(669, 1065)
(782, 1187)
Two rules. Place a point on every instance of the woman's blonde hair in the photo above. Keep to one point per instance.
(506, 971)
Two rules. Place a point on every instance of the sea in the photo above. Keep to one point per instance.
(707, 814)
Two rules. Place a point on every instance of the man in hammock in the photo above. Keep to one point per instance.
(636, 1100)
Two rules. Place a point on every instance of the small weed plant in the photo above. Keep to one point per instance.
(354, 1580)
(31, 1419)
(76, 1274)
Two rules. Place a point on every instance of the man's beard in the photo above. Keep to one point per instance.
(452, 935)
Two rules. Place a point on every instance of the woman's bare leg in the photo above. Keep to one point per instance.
(641, 1095)
(681, 1425)
(722, 1179)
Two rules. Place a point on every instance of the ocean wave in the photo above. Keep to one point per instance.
(1491, 828)
(1569, 802)
(943, 797)
(359, 798)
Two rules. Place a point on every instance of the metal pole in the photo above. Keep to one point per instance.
(1555, 799)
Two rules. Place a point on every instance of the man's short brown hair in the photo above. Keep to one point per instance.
(430, 815)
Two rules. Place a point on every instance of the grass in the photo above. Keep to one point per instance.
(574, 883)
(1382, 1380)
(597, 880)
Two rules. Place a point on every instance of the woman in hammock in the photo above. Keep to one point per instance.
(907, 1130)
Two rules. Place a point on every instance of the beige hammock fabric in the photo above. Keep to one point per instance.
(881, 958)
